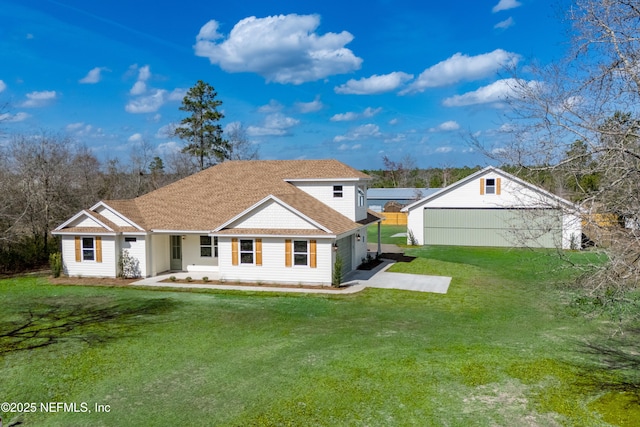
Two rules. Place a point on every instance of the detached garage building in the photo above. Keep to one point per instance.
(494, 208)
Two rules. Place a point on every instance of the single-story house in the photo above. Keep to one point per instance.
(377, 198)
(494, 208)
(254, 221)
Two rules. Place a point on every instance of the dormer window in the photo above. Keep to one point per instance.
(337, 191)
(361, 195)
(490, 186)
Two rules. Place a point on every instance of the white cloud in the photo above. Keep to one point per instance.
(461, 67)
(360, 132)
(38, 99)
(80, 129)
(370, 112)
(165, 131)
(447, 126)
(3, 86)
(344, 117)
(345, 147)
(394, 121)
(272, 107)
(350, 116)
(399, 137)
(177, 94)
(276, 124)
(498, 91)
(170, 147)
(503, 25)
(375, 84)
(310, 107)
(14, 118)
(93, 76)
(72, 127)
(147, 104)
(282, 49)
(136, 137)
(140, 86)
(444, 149)
(506, 5)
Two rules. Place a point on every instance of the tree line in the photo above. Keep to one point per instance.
(46, 178)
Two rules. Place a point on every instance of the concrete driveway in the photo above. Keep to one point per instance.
(380, 278)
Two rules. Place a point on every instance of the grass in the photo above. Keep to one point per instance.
(501, 348)
(386, 232)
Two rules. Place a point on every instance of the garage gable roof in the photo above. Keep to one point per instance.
(486, 171)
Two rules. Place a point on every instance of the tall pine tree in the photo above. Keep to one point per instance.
(200, 130)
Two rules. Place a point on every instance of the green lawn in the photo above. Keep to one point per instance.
(386, 232)
(502, 347)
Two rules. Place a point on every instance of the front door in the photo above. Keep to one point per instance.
(176, 253)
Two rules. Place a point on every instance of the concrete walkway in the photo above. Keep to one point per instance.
(162, 280)
(353, 282)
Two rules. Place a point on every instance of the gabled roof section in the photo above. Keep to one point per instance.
(87, 221)
(485, 171)
(211, 198)
(248, 212)
(118, 216)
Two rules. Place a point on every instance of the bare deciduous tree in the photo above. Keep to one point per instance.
(579, 118)
(240, 147)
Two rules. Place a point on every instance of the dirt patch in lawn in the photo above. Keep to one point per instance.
(110, 281)
(91, 281)
(251, 284)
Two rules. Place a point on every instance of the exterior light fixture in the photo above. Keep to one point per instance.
(335, 247)
(358, 237)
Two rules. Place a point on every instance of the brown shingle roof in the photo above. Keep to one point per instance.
(208, 199)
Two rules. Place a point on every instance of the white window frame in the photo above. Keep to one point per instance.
(338, 191)
(86, 250)
(361, 195)
(306, 253)
(242, 251)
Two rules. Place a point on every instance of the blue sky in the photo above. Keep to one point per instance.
(351, 80)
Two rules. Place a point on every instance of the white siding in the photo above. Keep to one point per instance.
(85, 221)
(137, 250)
(107, 213)
(571, 231)
(415, 224)
(512, 195)
(191, 253)
(159, 254)
(346, 205)
(273, 268)
(106, 268)
(272, 215)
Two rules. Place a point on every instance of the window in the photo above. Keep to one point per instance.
(129, 239)
(361, 195)
(337, 191)
(88, 249)
(300, 252)
(206, 249)
(246, 251)
(490, 186)
(208, 246)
